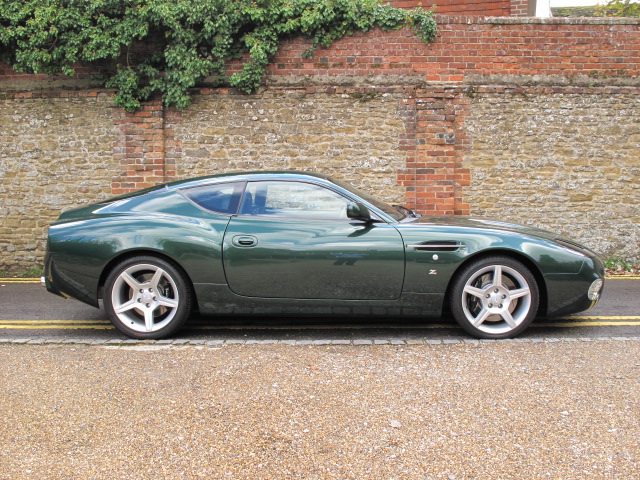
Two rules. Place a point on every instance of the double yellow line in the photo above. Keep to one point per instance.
(591, 321)
(55, 325)
(20, 280)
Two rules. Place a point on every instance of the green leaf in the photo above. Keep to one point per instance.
(144, 48)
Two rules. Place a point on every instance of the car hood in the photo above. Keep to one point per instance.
(485, 224)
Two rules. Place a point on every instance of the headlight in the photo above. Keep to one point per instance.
(594, 289)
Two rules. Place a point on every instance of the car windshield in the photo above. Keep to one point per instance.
(386, 208)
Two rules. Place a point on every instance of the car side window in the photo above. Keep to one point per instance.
(220, 198)
(293, 200)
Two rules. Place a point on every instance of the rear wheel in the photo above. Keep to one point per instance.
(147, 297)
(494, 297)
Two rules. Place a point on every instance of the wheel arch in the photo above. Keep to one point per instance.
(514, 255)
(108, 268)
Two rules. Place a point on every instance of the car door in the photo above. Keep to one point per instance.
(293, 239)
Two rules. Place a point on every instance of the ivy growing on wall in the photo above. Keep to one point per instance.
(165, 47)
(619, 8)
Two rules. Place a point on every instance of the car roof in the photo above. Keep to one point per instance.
(223, 177)
(247, 176)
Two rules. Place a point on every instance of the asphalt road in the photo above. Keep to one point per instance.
(27, 310)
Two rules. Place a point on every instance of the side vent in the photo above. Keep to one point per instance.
(439, 246)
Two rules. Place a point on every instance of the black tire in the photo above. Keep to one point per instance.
(494, 297)
(147, 297)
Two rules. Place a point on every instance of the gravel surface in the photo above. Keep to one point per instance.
(500, 410)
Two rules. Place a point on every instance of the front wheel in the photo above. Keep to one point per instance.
(494, 297)
(147, 298)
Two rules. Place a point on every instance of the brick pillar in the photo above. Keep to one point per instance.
(434, 177)
(140, 149)
(172, 145)
(461, 176)
(434, 142)
(408, 144)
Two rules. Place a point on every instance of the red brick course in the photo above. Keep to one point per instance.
(474, 46)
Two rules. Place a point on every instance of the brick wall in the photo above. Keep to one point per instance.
(563, 50)
(519, 8)
(527, 120)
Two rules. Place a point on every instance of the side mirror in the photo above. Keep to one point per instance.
(357, 211)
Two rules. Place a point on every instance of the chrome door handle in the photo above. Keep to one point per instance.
(244, 241)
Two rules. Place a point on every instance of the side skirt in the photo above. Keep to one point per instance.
(219, 300)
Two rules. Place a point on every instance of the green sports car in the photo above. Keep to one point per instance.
(300, 243)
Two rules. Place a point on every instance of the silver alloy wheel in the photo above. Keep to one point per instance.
(145, 298)
(496, 299)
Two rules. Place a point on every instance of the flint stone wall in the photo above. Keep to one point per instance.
(55, 153)
(343, 135)
(569, 162)
(563, 161)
